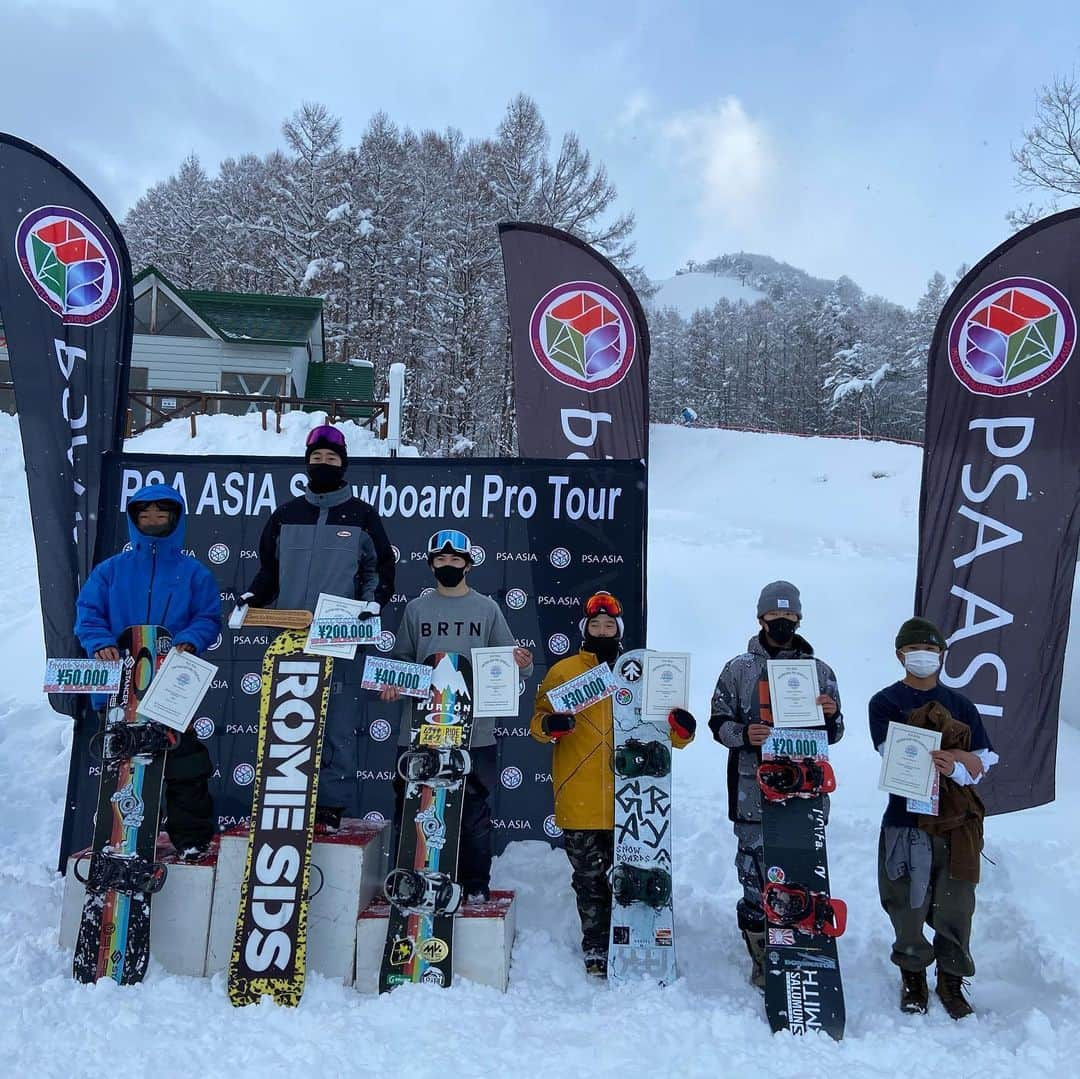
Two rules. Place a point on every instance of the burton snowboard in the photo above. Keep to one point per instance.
(422, 889)
(642, 923)
(803, 991)
(270, 945)
(121, 875)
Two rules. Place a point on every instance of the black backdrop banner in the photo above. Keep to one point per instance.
(1000, 504)
(580, 345)
(546, 535)
(66, 307)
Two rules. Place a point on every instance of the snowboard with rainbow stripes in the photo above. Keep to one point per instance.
(422, 890)
(114, 935)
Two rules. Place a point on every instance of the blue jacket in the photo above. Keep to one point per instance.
(154, 583)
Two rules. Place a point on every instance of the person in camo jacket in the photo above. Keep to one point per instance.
(741, 720)
(583, 774)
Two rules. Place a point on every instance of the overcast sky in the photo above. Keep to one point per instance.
(868, 139)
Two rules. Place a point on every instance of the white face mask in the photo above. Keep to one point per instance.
(922, 664)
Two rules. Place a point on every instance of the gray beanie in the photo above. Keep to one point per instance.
(779, 596)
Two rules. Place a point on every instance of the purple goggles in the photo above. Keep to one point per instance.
(325, 433)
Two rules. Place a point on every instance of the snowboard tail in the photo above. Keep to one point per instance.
(114, 933)
(270, 944)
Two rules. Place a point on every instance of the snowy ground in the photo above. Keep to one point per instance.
(734, 511)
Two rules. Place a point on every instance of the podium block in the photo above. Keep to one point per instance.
(347, 868)
(180, 926)
(483, 941)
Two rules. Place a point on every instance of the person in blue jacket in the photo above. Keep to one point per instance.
(155, 583)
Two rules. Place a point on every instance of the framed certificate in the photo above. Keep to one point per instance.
(666, 683)
(495, 682)
(793, 693)
(906, 767)
(177, 690)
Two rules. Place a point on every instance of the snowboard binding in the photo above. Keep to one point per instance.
(419, 892)
(123, 741)
(795, 777)
(795, 906)
(635, 758)
(110, 872)
(635, 884)
(434, 767)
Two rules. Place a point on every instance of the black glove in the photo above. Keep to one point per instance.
(682, 723)
(714, 726)
(557, 724)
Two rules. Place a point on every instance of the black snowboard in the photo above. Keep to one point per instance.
(119, 870)
(803, 990)
(422, 889)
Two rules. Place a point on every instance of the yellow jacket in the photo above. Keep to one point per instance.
(583, 761)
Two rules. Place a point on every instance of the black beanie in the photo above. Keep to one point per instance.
(919, 631)
(326, 444)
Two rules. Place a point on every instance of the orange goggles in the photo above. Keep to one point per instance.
(603, 603)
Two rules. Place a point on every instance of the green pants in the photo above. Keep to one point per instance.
(947, 908)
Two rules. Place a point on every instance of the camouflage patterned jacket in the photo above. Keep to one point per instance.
(741, 697)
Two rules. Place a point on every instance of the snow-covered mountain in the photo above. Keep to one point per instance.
(836, 517)
(694, 291)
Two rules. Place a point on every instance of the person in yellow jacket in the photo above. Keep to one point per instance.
(582, 772)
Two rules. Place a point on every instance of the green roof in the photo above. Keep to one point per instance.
(341, 382)
(249, 316)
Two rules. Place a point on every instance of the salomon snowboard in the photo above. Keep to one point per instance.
(270, 945)
(642, 938)
(422, 889)
(803, 991)
(121, 874)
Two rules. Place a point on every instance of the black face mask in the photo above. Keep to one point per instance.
(604, 648)
(449, 576)
(157, 531)
(324, 478)
(781, 630)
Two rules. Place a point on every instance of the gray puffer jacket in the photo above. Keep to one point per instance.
(741, 697)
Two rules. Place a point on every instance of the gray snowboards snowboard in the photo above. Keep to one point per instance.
(642, 938)
(803, 990)
(422, 889)
(121, 874)
(270, 946)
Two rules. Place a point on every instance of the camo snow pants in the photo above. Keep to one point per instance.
(591, 852)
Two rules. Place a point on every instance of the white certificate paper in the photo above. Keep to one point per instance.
(495, 682)
(666, 683)
(793, 693)
(337, 628)
(576, 695)
(177, 690)
(906, 767)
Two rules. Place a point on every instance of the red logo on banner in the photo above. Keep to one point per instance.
(583, 336)
(1012, 337)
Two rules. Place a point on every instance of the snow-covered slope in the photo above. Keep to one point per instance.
(690, 292)
(729, 512)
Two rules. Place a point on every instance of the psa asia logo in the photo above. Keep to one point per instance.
(1012, 337)
(583, 336)
(68, 261)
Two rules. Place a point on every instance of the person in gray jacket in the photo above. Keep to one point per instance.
(454, 618)
(327, 540)
(741, 720)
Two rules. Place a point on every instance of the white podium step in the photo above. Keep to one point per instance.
(180, 926)
(483, 941)
(348, 868)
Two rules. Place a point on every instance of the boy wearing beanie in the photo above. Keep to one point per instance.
(582, 772)
(928, 865)
(741, 720)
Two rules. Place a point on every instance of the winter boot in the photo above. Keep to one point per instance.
(914, 992)
(950, 991)
(755, 945)
(596, 964)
